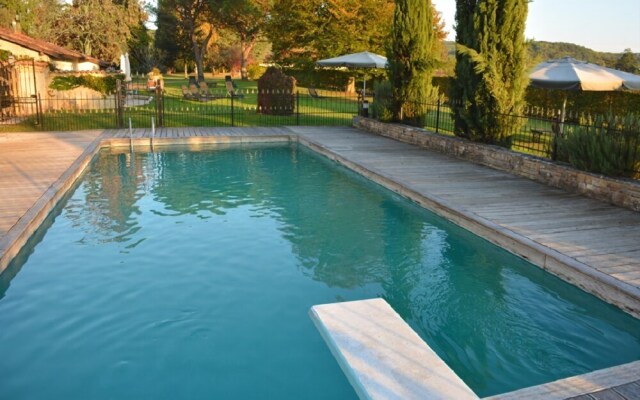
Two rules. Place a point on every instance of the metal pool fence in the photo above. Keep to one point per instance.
(171, 108)
(538, 131)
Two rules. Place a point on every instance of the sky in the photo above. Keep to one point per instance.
(611, 26)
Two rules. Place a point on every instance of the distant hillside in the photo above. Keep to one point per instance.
(542, 51)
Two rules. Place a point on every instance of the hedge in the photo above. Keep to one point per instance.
(333, 79)
(103, 84)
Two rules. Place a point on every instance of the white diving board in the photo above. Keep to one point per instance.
(382, 356)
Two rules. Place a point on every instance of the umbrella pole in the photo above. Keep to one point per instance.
(562, 114)
(364, 87)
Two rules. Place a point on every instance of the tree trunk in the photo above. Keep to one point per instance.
(245, 52)
(198, 52)
(199, 70)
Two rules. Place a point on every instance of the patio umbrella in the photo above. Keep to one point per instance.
(570, 74)
(356, 60)
(127, 65)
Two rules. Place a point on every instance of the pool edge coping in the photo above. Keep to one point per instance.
(577, 385)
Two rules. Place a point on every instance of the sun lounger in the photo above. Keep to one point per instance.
(186, 94)
(314, 94)
(206, 92)
(231, 91)
(195, 93)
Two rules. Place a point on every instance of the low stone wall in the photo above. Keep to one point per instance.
(623, 193)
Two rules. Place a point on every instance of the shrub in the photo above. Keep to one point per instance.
(103, 84)
(333, 79)
(381, 109)
(588, 103)
(276, 93)
(255, 71)
(155, 73)
(611, 146)
(4, 55)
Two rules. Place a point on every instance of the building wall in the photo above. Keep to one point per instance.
(19, 51)
(75, 66)
(62, 65)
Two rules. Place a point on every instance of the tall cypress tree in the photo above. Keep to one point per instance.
(491, 68)
(412, 58)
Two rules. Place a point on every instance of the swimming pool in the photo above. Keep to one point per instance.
(183, 274)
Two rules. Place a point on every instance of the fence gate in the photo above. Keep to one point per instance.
(19, 100)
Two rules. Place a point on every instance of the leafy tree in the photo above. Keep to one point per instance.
(93, 27)
(292, 29)
(142, 55)
(185, 29)
(628, 62)
(166, 41)
(441, 34)
(102, 29)
(35, 17)
(194, 17)
(491, 67)
(247, 19)
(412, 57)
(139, 43)
(304, 31)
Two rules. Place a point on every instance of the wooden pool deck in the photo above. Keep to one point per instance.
(589, 243)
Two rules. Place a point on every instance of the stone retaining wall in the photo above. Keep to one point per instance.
(623, 193)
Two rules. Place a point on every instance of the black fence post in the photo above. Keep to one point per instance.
(438, 117)
(119, 108)
(297, 107)
(159, 106)
(39, 111)
(554, 146)
(233, 122)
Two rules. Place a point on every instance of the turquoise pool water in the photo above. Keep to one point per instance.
(178, 274)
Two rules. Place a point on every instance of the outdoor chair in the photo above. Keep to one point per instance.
(231, 91)
(227, 78)
(206, 92)
(152, 84)
(195, 93)
(186, 94)
(313, 93)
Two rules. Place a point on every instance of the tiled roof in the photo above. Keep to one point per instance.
(52, 50)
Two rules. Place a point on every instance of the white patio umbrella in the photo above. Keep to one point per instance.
(570, 74)
(356, 60)
(127, 65)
